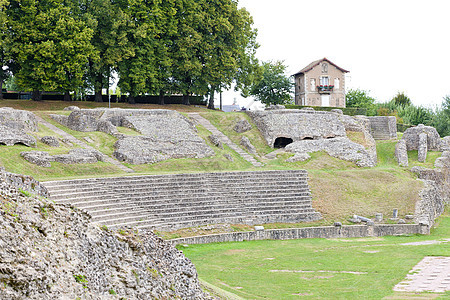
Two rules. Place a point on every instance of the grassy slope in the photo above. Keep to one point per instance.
(246, 268)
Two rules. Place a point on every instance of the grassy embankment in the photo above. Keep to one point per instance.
(358, 268)
(339, 188)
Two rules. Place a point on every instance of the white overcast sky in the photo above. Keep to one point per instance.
(388, 46)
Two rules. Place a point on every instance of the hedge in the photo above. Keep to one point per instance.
(148, 99)
(351, 111)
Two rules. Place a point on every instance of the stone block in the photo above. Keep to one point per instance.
(340, 147)
(15, 125)
(423, 148)
(248, 145)
(215, 140)
(242, 126)
(401, 154)
(71, 108)
(50, 140)
(378, 217)
(411, 136)
(297, 124)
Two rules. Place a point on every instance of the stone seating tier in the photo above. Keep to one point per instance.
(175, 201)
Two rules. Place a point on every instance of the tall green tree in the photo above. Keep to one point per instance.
(275, 87)
(148, 70)
(110, 39)
(214, 45)
(49, 45)
(4, 69)
(186, 50)
(401, 99)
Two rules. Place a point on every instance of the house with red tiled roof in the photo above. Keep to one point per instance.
(321, 83)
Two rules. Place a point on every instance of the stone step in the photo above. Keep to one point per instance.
(174, 190)
(118, 215)
(86, 194)
(170, 193)
(205, 200)
(207, 212)
(162, 205)
(177, 199)
(178, 212)
(212, 184)
(102, 185)
(120, 208)
(188, 209)
(104, 206)
(206, 221)
(213, 191)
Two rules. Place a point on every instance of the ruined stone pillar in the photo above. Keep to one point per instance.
(423, 147)
(401, 154)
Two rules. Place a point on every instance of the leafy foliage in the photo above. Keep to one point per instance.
(407, 114)
(360, 98)
(441, 119)
(401, 99)
(274, 87)
(157, 47)
(49, 45)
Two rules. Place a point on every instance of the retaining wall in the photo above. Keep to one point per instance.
(350, 231)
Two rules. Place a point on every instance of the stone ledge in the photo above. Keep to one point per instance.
(348, 231)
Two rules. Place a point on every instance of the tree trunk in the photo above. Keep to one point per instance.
(220, 100)
(186, 99)
(1, 89)
(67, 96)
(131, 99)
(211, 99)
(36, 95)
(98, 89)
(98, 95)
(161, 98)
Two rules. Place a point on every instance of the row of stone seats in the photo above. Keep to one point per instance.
(182, 200)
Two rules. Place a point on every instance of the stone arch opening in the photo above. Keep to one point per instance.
(281, 142)
(307, 138)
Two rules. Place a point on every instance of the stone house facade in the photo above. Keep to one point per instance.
(321, 83)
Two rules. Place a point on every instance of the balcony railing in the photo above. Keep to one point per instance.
(325, 88)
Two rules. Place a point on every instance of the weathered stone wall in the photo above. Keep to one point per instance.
(412, 138)
(75, 156)
(436, 191)
(23, 182)
(308, 232)
(165, 133)
(297, 124)
(360, 124)
(15, 125)
(383, 128)
(340, 147)
(18, 119)
(52, 251)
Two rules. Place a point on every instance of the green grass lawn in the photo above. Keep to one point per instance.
(358, 268)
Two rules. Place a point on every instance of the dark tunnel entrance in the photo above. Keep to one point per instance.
(281, 142)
